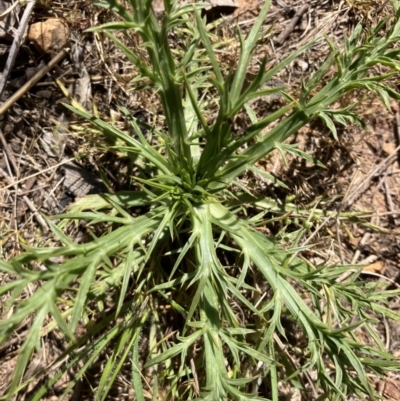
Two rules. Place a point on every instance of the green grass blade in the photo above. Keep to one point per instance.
(247, 48)
(25, 352)
(136, 374)
(80, 299)
(148, 152)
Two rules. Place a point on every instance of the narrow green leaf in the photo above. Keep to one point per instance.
(329, 123)
(247, 48)
(184, 344)
(80, 299)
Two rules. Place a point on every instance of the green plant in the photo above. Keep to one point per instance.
(196, 244)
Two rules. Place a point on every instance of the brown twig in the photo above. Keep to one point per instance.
(364, 184)
(397, 135)
(35, 212)
(389, 201)
(363, 241)
(9, 153)
(18, 40)
(284, 35)
(33, 81)
(195, 378)
(338, 239)
(15, 198)
(38, 173)
(28, 203)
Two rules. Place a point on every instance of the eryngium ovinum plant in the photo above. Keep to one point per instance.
(190, 296)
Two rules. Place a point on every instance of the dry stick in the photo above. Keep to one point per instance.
(363, 241)
(390, 201)
(195, 378)
(44, 200)
(18, 39)
(38, 173)
(338, 234)
(391, 173)
(35, 212)
(364, 184)
(30, 218)
(33, 81)
(381, 7)
(299, 13)
(11, 179)
(282, 4)
(9, 152)
(397, 134)
(30, 205)
(388, 336)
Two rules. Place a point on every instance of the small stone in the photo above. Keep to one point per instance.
(158, 7)
(303, 65)
(389, 147)
(49, 36)
(222, 3)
